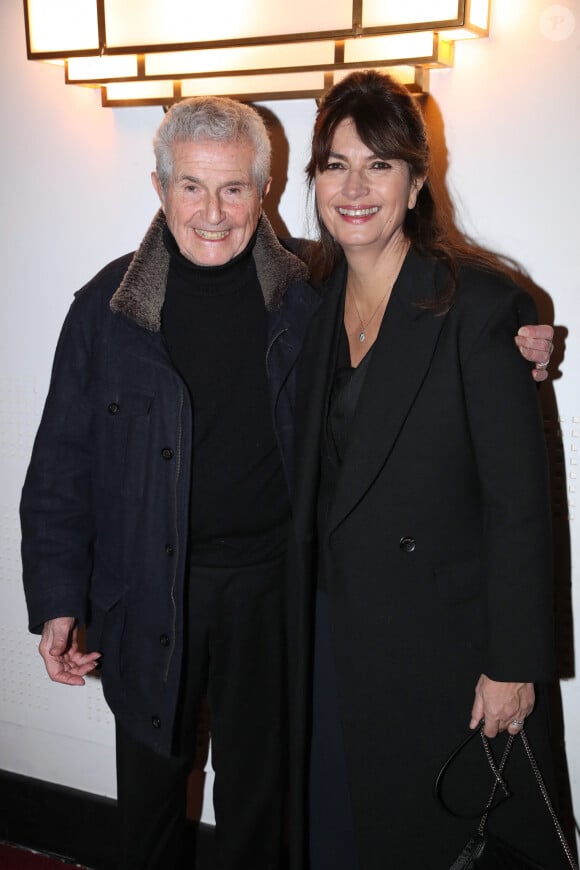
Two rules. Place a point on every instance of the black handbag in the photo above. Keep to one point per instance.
(485, 850)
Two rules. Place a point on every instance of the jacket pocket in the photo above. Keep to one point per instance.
(123, 435)
(106, 628)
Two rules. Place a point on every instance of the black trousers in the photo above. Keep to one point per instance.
(235, 657)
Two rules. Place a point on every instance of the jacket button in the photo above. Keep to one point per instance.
(164, 640)
(167, 453)
(113, 408)
(156, 721)
(169, 549)
(407, 544)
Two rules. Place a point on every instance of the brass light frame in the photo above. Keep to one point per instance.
(95, 40)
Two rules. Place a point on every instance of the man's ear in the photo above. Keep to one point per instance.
(157, 185)
(266, 187)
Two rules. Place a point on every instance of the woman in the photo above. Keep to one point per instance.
(421, 520)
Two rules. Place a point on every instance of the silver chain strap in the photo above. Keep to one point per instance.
(499, 781)
(547, 800)
(497, 772)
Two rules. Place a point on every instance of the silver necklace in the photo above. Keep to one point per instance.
(362, 333)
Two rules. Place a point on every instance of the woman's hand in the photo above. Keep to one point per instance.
(503, 706)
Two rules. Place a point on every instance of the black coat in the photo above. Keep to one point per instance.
(440, 548)
(105, 505)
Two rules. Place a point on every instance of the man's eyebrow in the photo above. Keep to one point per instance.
(233, 183)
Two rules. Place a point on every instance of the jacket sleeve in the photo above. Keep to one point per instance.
(508, 441)
(56, 506)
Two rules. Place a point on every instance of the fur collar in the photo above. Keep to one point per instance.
(141, 293)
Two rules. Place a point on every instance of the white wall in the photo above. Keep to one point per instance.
(76, 193)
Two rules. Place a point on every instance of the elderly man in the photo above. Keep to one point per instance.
(156, 502)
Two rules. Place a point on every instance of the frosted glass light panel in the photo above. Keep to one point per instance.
(169, 23)
(394, 13)
(61, 28)
(101, 69)
(248, 57)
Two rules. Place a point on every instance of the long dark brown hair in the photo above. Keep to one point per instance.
(389, 122)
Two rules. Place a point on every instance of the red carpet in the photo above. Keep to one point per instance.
(13, 858)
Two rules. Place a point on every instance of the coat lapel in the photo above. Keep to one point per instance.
(400, 362)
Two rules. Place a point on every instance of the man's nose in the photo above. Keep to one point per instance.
(213, 208)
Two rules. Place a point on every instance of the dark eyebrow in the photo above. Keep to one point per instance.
(370, 156)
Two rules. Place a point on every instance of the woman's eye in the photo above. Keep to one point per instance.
(334, 165)
(381, 164)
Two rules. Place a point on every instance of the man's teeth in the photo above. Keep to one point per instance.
(212, 236)
(358, 212)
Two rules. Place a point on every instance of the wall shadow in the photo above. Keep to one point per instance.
(280, 157)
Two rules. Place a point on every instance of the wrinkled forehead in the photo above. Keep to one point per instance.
(204, 156)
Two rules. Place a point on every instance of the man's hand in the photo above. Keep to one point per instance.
(58, 647)
(503, 706)
(535, 344)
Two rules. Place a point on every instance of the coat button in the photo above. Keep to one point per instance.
(407, 544)
(167, 453)
(113, 408)
(156, 721)
(164, 640)
(169, 549)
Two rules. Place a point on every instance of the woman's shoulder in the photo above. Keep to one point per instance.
(490, 304)
(442, 284)
(486, 282)
(485, 290)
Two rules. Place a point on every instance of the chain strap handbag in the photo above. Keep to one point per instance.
(485, 850)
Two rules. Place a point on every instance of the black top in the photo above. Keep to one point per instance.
(215, 326)
(342, 401)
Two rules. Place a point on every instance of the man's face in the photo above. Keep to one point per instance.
(212, 204)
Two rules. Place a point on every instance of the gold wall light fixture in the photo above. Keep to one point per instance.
(155, 52)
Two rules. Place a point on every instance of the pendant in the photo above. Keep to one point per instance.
(361, 337)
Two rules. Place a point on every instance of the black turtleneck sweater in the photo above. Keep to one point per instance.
(215, 327)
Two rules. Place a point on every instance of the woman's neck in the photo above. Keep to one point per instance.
(368, 290)
(370, 276)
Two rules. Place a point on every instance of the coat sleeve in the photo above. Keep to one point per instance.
(56, 506)
(508, 441)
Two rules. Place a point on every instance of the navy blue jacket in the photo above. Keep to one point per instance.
(105, 503)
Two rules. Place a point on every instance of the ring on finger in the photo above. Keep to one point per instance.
(543, 365)
(517, 723)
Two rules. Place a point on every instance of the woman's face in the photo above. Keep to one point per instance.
(362, 199)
